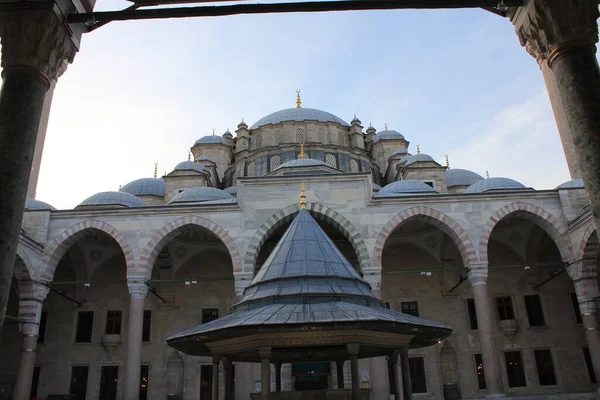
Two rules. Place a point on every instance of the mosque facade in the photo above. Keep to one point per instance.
(100, 288)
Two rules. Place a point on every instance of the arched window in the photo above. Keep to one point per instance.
(278, 136)
(342, 139)
(330, 160)
(300, 135)
(275, 162)
(257, 141)
(251, 169)
(353, 166)
(321, 135)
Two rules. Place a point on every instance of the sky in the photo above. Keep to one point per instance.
(455, 82)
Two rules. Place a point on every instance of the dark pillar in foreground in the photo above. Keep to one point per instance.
(339, 366)
(397, 369)
(353, 351)
(561, 35)
(265, 361)
(35, 46)
(406, 383)
(278, 376)
(216, 361)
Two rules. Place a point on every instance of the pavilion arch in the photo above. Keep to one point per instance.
(23, 266)
(548, 222)
(286, 215)
(436, 218)
(59, 246)
(168, 232)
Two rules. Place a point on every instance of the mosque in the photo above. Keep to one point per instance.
(504, 274)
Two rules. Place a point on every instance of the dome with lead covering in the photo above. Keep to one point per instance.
(145, 186)
(408, 160)
(572, 184)
(302, 162)
(461, 177)
(211, 139)
(189, 166)
(298, 115)
(494, 184)
(113, 199)
(405, 188)
(33, 204)
(200, 194)
(388, 135)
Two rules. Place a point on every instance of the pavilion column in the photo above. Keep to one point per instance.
(397, 375)
(278, 376)
(35, 46)
(406, 383)
(485, 322)
(379, 376)
(216, 359)
(137, 293)
(563, 34)
(228, 389)
(353, 351)
(30, 309)
(339, 367)
(244, 382)
(265, 361)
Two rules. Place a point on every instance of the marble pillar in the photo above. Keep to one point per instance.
(486, 327)
(379, 376)
(216, 360)
(563, 34)
(133, 362)
(244, 381)
(35, 45)
(227, 387)
(265, 361)
(405, 369)
(339, 368)
(353, 351)
(278, 376)
(397, 369)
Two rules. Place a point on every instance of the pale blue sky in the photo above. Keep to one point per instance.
(455, 82)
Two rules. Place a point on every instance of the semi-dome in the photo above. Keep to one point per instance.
(211, 139)
(302, 162)
(461, 177)
(494, 184)
(572, 184)
(145, 186)
(407, 160)
(33, 204)
(405, 188)
(298, 115)
(189, 166)
(200, 194)
(113, 199)
(388, 135)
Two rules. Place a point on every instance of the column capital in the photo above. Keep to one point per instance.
(549, 28)
(353, 348)
(36, 39)
(216, 359)
(264, 352)
(137, 290)
(30, 328)
(477, 273)
(226, 363)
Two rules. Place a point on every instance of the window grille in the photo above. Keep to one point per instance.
(342, 139)
(330, 160)
(258, 141)
(321, 135)
(353, 166)
(300, 135)
(275, 162)
(251, 169)
(278, 136)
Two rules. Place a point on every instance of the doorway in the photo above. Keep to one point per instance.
(206, 382)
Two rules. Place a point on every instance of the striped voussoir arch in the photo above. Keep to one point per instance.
(169, 231)
(434, 217)
(23, 267)
(548, 222)
(59, 246)
(588, 248)
(318, 211)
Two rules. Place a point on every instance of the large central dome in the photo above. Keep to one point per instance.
(298, 115)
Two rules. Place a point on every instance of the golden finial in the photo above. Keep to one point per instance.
(298, 101)
(418, 150)
(302, 198)
(385, 127)
(302, 153)
(487, 174)
(155, 170)
(189, 156)
(447, 162)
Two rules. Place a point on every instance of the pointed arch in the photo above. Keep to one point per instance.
(434, 217)
(544, 219)
(23, 266)
(59, 246)
(158, 241)
(583, 246)
(285, 215)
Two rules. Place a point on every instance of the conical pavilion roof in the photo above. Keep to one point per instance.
(306, 283)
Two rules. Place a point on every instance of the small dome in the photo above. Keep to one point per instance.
(211, 139)
(302, 162)
(405, 188)
(355, 120)
(32, 204)
(573, 184)
(231, 190)
(461, 177)
(298, 115)
(189, 166)
(145, 186)
(227, 133)
(417, 158)
(494, 184)
(200, 194)
(388, 135)
(113, 199)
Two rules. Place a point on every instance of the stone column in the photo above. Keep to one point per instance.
(278, 376)
(563, 34)
(339, 367)
(397, 375)
(353, 351)
(227, 379)
(406, 383)
(35, 44)
(379, 376)
(30, 309)
(137, 293)
(216, 359)
(244, 382)
(265, 354)
(485, 322)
